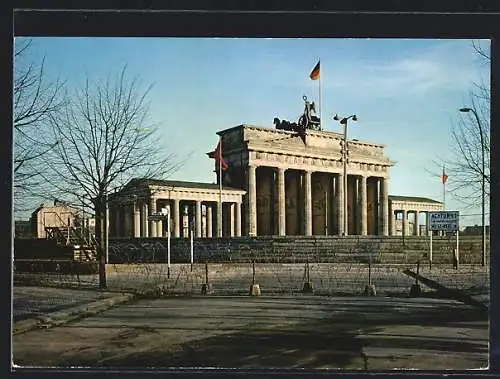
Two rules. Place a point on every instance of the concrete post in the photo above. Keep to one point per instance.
(340, 203)
(209, 221)
(198, 219)
(308, 204)
(177, 218)
(252, 201)
(281, 202)
(363, 206)
(238, 219)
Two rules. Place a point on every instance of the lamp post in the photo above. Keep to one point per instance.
(343, 121)
(483, 242)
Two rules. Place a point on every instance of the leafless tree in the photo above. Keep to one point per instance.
(35, 100)
(470, 139)
(470, 136)
(105, 135)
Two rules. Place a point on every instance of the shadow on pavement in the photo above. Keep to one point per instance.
(329, 342)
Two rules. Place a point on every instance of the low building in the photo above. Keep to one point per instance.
(45, 216)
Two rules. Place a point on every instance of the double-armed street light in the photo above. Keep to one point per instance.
(343, 121)
(483, 174)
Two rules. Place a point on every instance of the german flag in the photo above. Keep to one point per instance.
(314, 75)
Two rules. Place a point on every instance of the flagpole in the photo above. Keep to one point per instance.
(444, 195)
(319, 86)
(219, 226)
(443, 179)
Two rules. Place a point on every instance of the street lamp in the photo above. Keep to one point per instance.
(466, 110)
(343, 121)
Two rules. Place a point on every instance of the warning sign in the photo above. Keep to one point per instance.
(447, 221)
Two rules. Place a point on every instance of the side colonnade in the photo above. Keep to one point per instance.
(189, 209)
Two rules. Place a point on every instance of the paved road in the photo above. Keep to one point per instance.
(264, 332)
(36, 301)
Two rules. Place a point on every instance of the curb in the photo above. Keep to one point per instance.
(62, 317)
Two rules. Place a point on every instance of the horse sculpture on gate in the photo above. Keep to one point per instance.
(308, 120)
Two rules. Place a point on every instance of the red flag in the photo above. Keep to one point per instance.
(444, 177)
(218, 158)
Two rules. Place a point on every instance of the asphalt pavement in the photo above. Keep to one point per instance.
(33, 301)
(368, 333)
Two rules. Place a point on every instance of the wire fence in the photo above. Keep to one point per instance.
(230, 266)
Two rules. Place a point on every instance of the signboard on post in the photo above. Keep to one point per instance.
(447, 221)
(156, 217)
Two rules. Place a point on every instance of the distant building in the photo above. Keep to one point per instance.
(57, 215)
(475, 230)
(405, 213)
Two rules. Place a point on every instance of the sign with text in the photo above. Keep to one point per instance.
(444, 220)
(156, 217)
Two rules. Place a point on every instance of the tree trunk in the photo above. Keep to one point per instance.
(101, 235)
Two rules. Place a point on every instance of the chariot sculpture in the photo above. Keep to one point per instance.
(308, 120)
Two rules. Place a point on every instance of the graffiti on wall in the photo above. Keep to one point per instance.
(141, 250)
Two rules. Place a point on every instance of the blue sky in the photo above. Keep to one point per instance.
(406, 93)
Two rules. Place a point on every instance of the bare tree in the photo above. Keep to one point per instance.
(35, 100)
(470, 140)
(470, 137)
(104, 134)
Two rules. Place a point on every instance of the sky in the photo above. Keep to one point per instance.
(405, 93)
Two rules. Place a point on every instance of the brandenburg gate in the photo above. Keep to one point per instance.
(294, 185)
